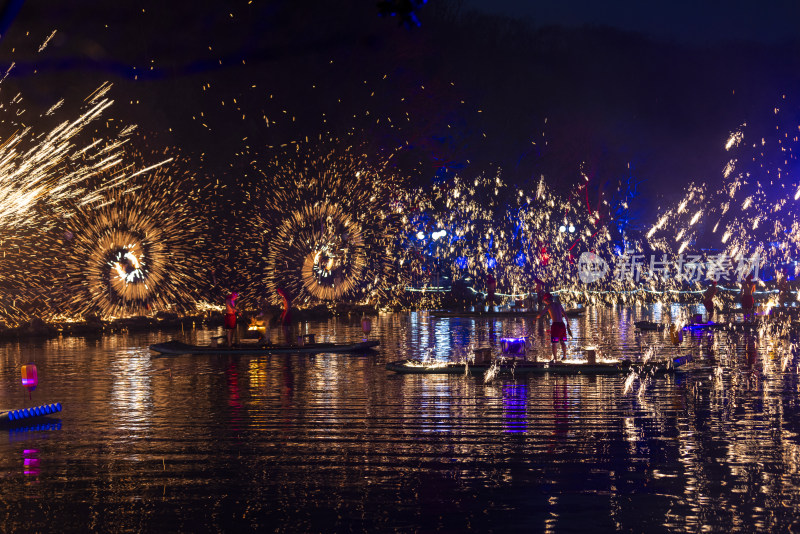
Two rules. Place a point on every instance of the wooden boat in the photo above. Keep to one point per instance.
(511, 366)
(723, 326)
(177, 347)
(573, 312)
(649, 325)
(501, 313)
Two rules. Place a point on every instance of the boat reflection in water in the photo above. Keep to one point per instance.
(334, 442)
(515, 403)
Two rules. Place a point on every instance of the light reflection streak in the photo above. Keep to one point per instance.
(132, 390)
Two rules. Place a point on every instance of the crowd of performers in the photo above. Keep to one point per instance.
(263, 319)
(545, 303)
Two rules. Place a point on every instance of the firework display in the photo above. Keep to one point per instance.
(748, 224)
(136, 252)
(466, 229)
(322, 227)
(39, 172)
(54, 166)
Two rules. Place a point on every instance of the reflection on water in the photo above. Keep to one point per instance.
(335, 442)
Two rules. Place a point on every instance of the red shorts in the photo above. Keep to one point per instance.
(748, 302)
(230, 321)
(558, 332)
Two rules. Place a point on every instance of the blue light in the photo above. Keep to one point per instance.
(492, 263)
(461, 262)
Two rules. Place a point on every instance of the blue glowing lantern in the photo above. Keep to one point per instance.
(513, 346)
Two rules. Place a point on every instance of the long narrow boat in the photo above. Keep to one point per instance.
(649, 325)
(177, 347)
(515, 367)
(573, 312)
(723, 326)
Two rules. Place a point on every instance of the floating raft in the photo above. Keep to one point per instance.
(649, 325)
(574, 312)
(515, 367)
(723, 326)
(177, 347)
(28, 415)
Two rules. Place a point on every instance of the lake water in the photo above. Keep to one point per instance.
(334, 442)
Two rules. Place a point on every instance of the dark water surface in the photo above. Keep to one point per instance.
(296, 443)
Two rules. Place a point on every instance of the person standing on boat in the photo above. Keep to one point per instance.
(230, 316)
(558, 328)
(747, 299)
(286, 315)
(541, 291)
(708, 300)
(491, 287)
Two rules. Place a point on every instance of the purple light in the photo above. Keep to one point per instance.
(512, 345)
(515, 401)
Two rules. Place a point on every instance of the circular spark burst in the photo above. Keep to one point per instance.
(325, 230)
(319, 250)
(134, 255)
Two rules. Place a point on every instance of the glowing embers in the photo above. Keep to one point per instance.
(135, 255)
(127, 265)
(118, 272)
(328, 246)
(328, 266)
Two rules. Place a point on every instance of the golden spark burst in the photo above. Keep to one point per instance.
(322, 226)
(135, 250)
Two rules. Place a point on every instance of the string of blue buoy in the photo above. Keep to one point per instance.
(27, 413)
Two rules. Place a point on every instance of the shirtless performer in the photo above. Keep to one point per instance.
(558, 327)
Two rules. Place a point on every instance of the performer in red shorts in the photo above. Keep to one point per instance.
(230, 316)
(747, 299)
(558, 328)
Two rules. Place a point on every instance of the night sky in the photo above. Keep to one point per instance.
(683, 21)
(617, 92)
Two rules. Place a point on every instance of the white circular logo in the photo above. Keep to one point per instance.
(591, 267)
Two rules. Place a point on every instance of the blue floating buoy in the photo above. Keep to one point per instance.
(25, 413)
